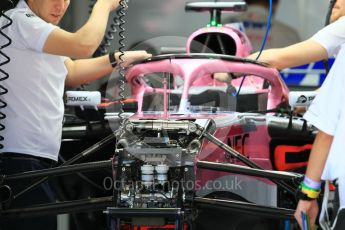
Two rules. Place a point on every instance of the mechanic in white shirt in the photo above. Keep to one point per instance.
(327, 158)
(40, 66)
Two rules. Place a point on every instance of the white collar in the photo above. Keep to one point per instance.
(22, 4)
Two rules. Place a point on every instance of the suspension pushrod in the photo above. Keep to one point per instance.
(99, 145)
(239, 169)
(62, 170)
(244, 160)
(76, 206)
(245, 207)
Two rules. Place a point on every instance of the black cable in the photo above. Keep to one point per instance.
(103, 49)
(7, 4)
(4, 74)
(118, 174)
(122, 14)
(329, 13)
(268, 26)
(278, 110)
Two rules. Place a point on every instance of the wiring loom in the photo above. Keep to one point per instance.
(4, 75)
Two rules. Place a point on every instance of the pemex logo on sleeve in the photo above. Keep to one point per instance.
(302, 99)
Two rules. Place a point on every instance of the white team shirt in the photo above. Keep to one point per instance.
(327, 114)
(327, 110)
(35, 87)
(332, 36)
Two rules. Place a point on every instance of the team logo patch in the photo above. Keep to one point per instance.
(29, 15)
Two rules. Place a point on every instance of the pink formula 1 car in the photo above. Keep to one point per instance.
(213, 144)
(198, 142)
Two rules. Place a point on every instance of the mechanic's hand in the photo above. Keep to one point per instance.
(299, 110)
(253, 56)
(311, 208)
(223, 77)
(268, 57)
(132, 56)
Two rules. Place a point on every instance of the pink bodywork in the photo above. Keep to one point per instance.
(242, 43)
(192, 69)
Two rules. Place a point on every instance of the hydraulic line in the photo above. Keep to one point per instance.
(3, 74)
(268, 26)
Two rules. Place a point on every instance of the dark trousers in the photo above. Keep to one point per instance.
(340, 222)
(340, 214)
(16, 163)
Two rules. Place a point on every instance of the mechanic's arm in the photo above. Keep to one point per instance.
(86, 70)
(84, 42)
(316, 164)
(298, 54)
